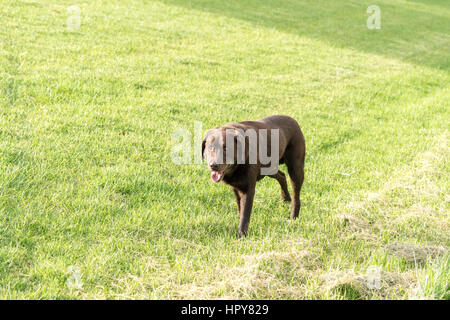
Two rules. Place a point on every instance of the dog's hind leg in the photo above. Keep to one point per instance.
(296, 174)
(281, 178)
(295, 162)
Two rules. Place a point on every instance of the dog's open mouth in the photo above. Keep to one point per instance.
(216, 176)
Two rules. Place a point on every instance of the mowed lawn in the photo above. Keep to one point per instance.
(92, 206)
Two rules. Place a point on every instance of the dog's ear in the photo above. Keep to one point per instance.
(204, 142)
(216, 132)
(203, 147)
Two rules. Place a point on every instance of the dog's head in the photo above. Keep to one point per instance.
(222, 148)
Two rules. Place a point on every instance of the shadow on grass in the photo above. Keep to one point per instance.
(410, 31)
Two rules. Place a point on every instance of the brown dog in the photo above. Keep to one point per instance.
(241, 153)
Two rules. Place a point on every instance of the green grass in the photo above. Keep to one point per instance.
(86, 177)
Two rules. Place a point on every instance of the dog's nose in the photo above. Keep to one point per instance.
(214, 166)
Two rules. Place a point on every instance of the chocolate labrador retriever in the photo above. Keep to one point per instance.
(241, 153)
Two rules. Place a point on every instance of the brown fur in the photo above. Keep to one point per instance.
(242, 178)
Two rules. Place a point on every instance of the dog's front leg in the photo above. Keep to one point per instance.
(238, 199)
(246, 210)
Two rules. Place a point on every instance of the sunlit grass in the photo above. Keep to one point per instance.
(86, 177)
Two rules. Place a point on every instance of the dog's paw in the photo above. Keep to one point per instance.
(241, 234)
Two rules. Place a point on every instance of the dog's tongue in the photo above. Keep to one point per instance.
(216, 176)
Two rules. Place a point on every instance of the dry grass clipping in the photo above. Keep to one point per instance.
(266, 275)
(415, 254)
(357, 227)
(371, 285)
